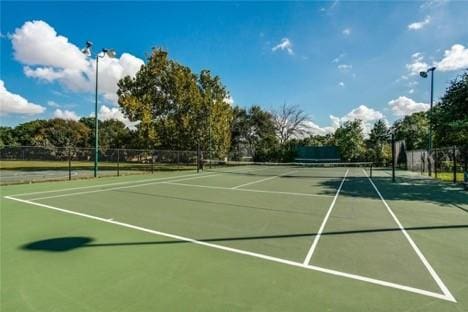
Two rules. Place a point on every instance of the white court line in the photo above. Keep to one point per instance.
(322, 226)
(247, 253)
(262, 180)
(160, 181)
(103, 185)
(246, 190)
(423, 259)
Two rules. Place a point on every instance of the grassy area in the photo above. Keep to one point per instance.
(448, 176)
(33, 165)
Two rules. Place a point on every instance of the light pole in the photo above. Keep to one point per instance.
(423, 74)
(110, 53)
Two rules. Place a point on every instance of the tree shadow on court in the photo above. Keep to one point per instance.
(64, 244)
(408, 189)
(225, 203)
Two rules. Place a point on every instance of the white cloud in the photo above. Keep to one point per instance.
(285, 45)
(417, 64)
(403, 106)
(51, 57)
(367, 115)
(419, 25)
(36, 43)
(345, 67)
(53, 104)
(107, 113)
(229, 100)
(346, 31)
(65, 114)
(454, 59)
(363, 113)
(313, 128)
(411, 91)
(339, 58)
(11, 103)
(341, 84)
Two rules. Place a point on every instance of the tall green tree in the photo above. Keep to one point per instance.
(7, 137)
(253, 134)
(60, 133)
(414, 130)
(176, 108)
(450, 115)
(28, 133)
(349, 139)
(319, 140)
(378, 147)
(215, 114)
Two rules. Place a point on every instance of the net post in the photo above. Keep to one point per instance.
(198, 157)
(370, 173)
(393, 157)
(69, 163)
(118, 162)
(152, 161)
(454, 165)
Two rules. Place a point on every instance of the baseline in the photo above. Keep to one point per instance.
(247, 253)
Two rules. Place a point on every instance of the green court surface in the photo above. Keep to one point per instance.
(256, 238)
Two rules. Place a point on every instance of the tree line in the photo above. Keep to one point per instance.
(181, 110)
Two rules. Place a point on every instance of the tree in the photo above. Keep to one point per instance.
(113, 134)
(378, 147)
(253, 134)
(319, 140)
(176, 108)
(60, 133)
(450, 116)
(27, 134)
(414, 130)
(215, 114)
(7, 137)
(290, 122)
(349, 139)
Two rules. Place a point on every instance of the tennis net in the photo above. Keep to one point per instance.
(291, 169)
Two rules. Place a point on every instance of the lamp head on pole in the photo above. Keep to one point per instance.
(109, 52)
(87, 49)
(424, 73)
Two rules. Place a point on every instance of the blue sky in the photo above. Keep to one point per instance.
(336, 60)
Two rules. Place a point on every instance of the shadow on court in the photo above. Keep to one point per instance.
(422, 190)
(63, 244)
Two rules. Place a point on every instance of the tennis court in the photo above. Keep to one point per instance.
(262, 237)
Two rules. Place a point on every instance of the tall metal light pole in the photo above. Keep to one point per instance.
(423, 74)
(104, 52)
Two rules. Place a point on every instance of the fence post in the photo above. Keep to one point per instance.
(152, 161)
(69, 163)
(118, 162)
(393, 157)
(454, 165)
(435, 163)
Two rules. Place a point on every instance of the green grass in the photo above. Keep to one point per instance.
(448, 176)
(47, 265)
(33, 165)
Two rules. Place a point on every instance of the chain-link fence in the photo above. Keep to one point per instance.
(23, 164)
(447, 164)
